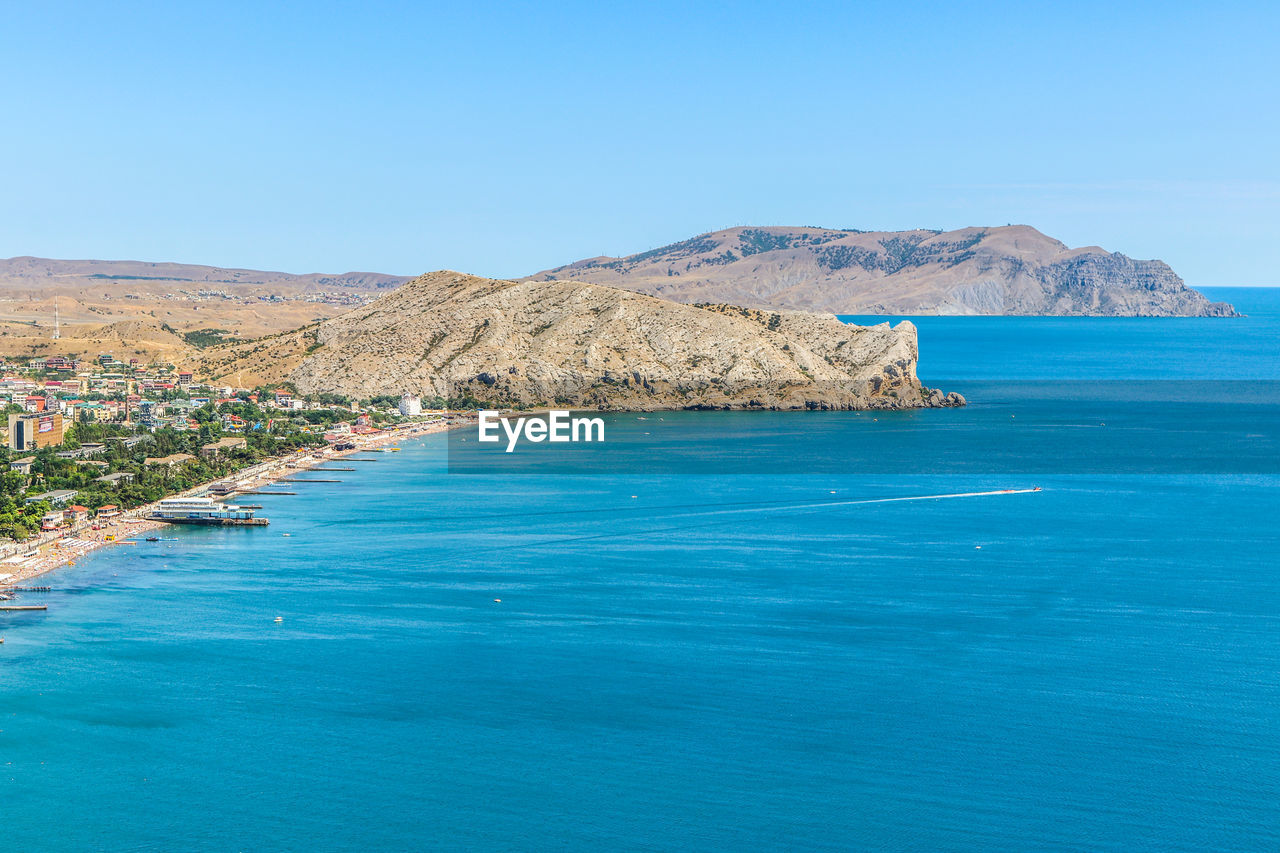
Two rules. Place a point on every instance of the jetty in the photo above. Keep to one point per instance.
(204, 511)
(263, 492)
(309, 480)
(11, 607)
(213, 521)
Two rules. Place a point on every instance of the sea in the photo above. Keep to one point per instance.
(712, 656)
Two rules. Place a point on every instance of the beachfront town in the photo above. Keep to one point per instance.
(87, 441)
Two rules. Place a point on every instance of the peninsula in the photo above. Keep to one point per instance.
(1013, 269)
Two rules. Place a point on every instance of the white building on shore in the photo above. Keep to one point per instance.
(410, 405)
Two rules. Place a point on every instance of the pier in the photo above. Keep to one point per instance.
(10, 607)
(215, 522)
(203, 511)
(310, 480)
(260, 492)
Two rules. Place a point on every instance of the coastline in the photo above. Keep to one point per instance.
(54, 552)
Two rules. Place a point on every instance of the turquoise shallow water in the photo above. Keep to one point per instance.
(714, 663)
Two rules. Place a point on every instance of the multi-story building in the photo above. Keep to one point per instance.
(94, 412)
(410, 405)
(149, 413)
(33, 430)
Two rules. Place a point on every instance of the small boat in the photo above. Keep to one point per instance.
(153, 538)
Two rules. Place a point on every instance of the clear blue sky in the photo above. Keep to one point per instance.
(502, 138)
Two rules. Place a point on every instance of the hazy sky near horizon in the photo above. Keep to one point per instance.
(504, 138)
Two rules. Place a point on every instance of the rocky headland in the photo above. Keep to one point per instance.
(578, 345)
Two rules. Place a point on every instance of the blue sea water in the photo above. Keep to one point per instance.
(696, 662)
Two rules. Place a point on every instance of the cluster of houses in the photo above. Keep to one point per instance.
(112, 391)
(329, 297)
(75, 514)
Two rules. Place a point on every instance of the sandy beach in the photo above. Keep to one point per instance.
(23, 561)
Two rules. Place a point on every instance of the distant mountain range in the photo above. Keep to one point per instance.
(29, 271)
(149, 298)
(1012, 269)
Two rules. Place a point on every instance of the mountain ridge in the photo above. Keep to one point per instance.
(1012, 269)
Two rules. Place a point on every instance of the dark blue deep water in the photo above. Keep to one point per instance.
(697, 662)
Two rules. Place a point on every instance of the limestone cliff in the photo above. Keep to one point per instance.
(581, 345)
